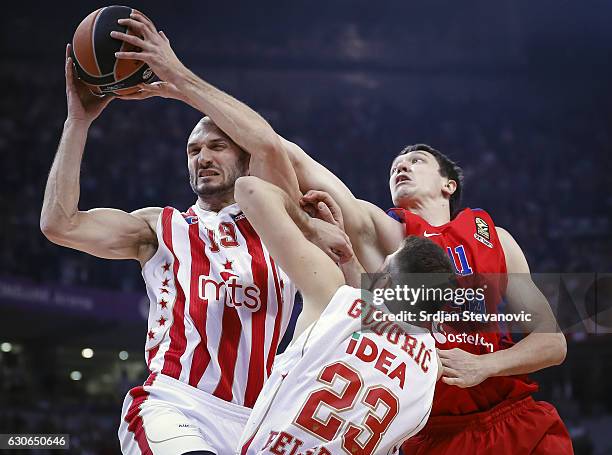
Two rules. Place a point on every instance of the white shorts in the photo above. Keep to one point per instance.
(168, 417)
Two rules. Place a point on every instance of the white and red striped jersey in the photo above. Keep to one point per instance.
(219, 305)
(352, 383)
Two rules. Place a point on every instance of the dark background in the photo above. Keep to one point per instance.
(518, 92)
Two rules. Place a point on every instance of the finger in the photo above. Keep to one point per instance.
(140, 95)
(163, 35)
(444, 353)
(70, 76)
(308, 208)
(451, 365)
(453, 381)
(130, 39)
(314, 196)
(134, 25)
(334, 257)
(324, 213)
(144, 20)
(304, 203)
(68, 50)
(131, 55)
(450, 372)
(153, 88)
(337, 215)
(67, 66)
(346, 255)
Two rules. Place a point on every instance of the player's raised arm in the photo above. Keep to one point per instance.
(283, 228)
(107, 233)
(373, 234)
(241, 123)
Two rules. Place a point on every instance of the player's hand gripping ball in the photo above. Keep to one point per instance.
(93, 54)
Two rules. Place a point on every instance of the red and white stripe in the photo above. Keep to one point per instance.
(224, 350)
(133, 419)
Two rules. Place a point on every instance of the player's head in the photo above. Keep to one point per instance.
(421, 174)
(417, 263)
(215, 161)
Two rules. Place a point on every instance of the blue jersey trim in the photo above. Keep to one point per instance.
(394, 215)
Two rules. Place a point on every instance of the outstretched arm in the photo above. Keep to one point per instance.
(241, 123)
(373, 234)
(282, 226)
(544, 345)
(107, 233)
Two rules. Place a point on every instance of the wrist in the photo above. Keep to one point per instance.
(180, 77)
(490, 365)
(307, 227)
(77, 122)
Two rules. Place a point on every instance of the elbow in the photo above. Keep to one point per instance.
(47, 226)
(50, 229)
(561, 349)
(245, 189)
(556, 349)
(270, 145)
(53, 228)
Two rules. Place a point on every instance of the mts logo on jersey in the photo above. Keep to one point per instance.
(230, 290)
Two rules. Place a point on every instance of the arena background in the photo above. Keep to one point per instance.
(517, 91)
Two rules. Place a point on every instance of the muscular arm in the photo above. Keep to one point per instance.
(103, 232)
(545, 345)
(241, 123)
(281, 224)
(373, 234)
(245, 127)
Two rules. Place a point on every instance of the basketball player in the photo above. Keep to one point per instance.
(219, 303)
(346, 384)
(483, 403)
(480, 380)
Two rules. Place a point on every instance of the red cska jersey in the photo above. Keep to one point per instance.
(472, 244)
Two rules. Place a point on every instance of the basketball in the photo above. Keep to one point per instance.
(93, 53)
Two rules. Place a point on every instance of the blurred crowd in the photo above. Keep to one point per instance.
(541, 170)
(517, 96)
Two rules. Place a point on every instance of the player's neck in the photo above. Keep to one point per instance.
(215, 203)
(436, 213)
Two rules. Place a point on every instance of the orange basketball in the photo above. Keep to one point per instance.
(93, 53)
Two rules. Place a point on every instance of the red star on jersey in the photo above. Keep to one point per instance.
(166, 267)
(165, 282)
(163, 304)
(162, 321)
(151, 334)
(164, 291)
(228, 265)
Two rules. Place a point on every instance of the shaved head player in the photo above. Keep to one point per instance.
(219, 304)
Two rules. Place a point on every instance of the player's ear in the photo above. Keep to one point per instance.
(449, 188)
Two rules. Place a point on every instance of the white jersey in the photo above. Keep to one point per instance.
(219, 305)
(347, 385)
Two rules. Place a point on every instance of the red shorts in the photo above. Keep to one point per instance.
(511, 428)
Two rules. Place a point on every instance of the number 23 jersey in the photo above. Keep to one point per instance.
(349, 384)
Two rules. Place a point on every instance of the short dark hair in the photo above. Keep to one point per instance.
(448, 169)
(420, 262)
(421, 255)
